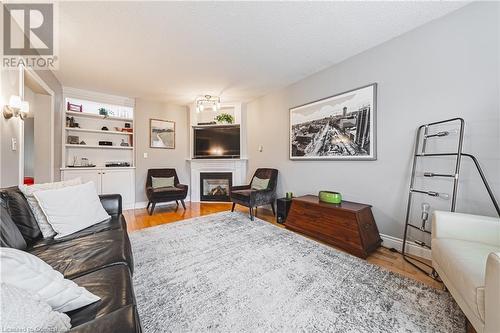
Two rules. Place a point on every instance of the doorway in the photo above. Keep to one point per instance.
(37, 147)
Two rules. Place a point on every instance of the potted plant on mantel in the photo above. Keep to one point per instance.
(224, 118)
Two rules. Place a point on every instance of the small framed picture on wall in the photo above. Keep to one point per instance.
(161, 134)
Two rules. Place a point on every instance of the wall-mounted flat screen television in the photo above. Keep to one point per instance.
(217, 142)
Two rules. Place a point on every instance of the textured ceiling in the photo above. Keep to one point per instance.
(174, 51)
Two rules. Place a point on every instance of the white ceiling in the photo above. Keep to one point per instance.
(174, 51)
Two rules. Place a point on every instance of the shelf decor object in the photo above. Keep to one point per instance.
(103, 112)
(224, 118)
(162, 134)
(74, 107)
(341, 127)
(73, 139)
(330, 197)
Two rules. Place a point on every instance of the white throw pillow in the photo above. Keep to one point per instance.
(25, 312)
(26, 271)
(40, 218)
(71, 209)
(259, 184)
(157, 182)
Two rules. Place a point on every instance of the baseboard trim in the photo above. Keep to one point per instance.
(411, 247)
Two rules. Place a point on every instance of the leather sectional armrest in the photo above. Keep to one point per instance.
(112, 203)
(124, 320)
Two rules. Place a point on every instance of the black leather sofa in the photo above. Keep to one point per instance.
(98, 258)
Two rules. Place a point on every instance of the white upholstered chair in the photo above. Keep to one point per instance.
(466, 255)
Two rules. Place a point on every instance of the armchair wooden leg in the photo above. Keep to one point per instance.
(251, 213)
(177, 202)
(149, 204)
(272, 207)
(152, 208)
(232, 208)
(183, 204)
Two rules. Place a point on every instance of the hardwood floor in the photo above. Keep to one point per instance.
(139, 219)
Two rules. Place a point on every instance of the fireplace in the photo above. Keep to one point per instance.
(214, 186)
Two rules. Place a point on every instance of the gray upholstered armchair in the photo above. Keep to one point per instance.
(176, 193)
(251, 197)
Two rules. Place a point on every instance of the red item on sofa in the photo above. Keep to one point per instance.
(29, 180)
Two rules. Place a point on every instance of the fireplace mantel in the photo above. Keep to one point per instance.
(238, 167)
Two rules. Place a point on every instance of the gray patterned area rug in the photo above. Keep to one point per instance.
(225, 273)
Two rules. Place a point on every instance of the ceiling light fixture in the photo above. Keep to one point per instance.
(207, 101)
(16, 108)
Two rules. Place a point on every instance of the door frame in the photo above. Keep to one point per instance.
(31, 72)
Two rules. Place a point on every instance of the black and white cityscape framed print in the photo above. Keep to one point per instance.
(340, 127)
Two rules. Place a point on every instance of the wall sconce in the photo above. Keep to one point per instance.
(16, 108)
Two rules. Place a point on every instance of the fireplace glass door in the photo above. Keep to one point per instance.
(214, 186)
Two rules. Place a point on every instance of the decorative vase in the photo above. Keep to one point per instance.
(330, 197)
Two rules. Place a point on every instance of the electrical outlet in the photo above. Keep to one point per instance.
(14, 144)
(145, 155)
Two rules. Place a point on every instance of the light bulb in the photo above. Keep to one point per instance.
(425, 210)
(25, 107)
(15, 102)
(425, 214)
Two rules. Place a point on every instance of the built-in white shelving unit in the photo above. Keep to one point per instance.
(108, 180)
(93, 127)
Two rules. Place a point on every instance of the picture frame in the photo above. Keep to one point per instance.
(73, 140)
(161, 134)
(338, 127)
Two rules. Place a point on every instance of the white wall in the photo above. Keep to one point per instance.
(29, 134)
(41, 106)
(9, 129)
(51, 81)
(37, 133)
(159, 158)
(447, 68)
(29, 147)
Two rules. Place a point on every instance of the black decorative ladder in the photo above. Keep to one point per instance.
(424, 133)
